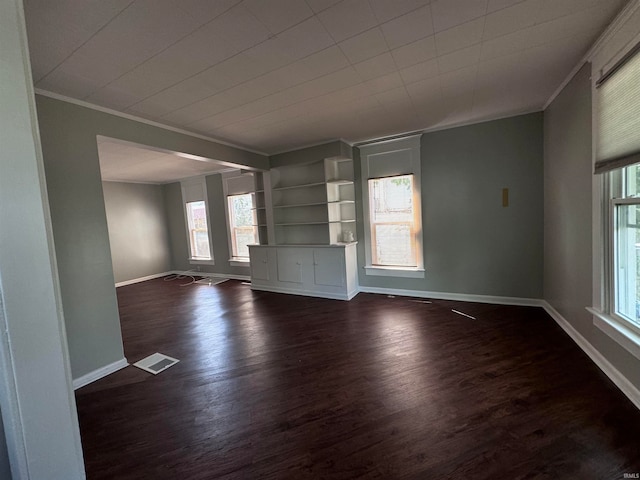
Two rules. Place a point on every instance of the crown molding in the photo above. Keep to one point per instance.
(608, 33)
(135, 118)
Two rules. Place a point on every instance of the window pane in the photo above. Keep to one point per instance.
(244, 236)
(198, 234)
(632, 181)
(393, 244)
(627, 266)
(392, 221)
(242, 224)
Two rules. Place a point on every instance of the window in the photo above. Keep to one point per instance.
(392, 213)
(242, 224)
(198, 232)
(616, 131)
(392, 221)
(238, 187)
(624, 218)
(196, 213)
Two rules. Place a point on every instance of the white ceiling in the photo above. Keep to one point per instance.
(274, 75)
(127, 162)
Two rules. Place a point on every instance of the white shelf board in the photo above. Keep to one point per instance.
(292, 205)
(305, 185)
(300, 223)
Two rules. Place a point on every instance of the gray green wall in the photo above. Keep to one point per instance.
(137, 224)
(473, 245)
(76, 201)
(568, 251)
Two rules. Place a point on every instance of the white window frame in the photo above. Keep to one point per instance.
(615, 43)
(228, 177)
(409, 149)
(606, 318)
(201, 182)
(232, 242)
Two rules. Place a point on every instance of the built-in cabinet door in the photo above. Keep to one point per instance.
(259, 263)
(329, 267)
(291, 262)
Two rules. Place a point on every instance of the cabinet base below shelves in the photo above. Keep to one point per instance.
(306, 293)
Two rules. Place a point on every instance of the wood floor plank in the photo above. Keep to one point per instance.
(273, 386)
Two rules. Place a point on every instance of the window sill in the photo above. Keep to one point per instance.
(239, 262)
(406, 272)
(200, 261)
(617, 329)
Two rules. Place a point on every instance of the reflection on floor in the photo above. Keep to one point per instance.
(273, 386)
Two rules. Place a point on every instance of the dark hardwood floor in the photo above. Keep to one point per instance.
(273, 386)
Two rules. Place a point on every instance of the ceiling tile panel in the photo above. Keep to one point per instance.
(396, 95)
(56, 29)
(415, 52)
(326, 61)
(462, 36)
(383, 83)
(420, 71)
(113, 98)
(386, 10)
(449, 13)
(179, 62)
(581, 23)
(424, 90)
(365, 45)
(278, 15)
(304, 39)
(552, 9)
(376, 66)
(319, 5)
(459, 82)
(138, 33)
(348, 18)
(508, 44)
(74, 86)
(206, 10)
(183, 94)
(511, 19)
(203, 48)
(495, 5)
(408, 28)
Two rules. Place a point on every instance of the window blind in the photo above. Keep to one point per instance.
(618, 115)
(240, 184)
(193, 192)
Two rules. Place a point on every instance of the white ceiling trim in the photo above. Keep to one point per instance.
(489, 118)
(315, 144)
(128, 116)
(617, 23)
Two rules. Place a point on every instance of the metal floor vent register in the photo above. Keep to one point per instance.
(156, 363)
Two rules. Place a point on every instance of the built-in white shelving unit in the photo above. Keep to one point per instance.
(314, 203)
(263, 208)
(309, 243)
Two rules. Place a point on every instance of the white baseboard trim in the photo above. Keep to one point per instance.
(460, 297)
(609, 370)
(306, 293)
(142, 279)
(246, 278)
(99, 373)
